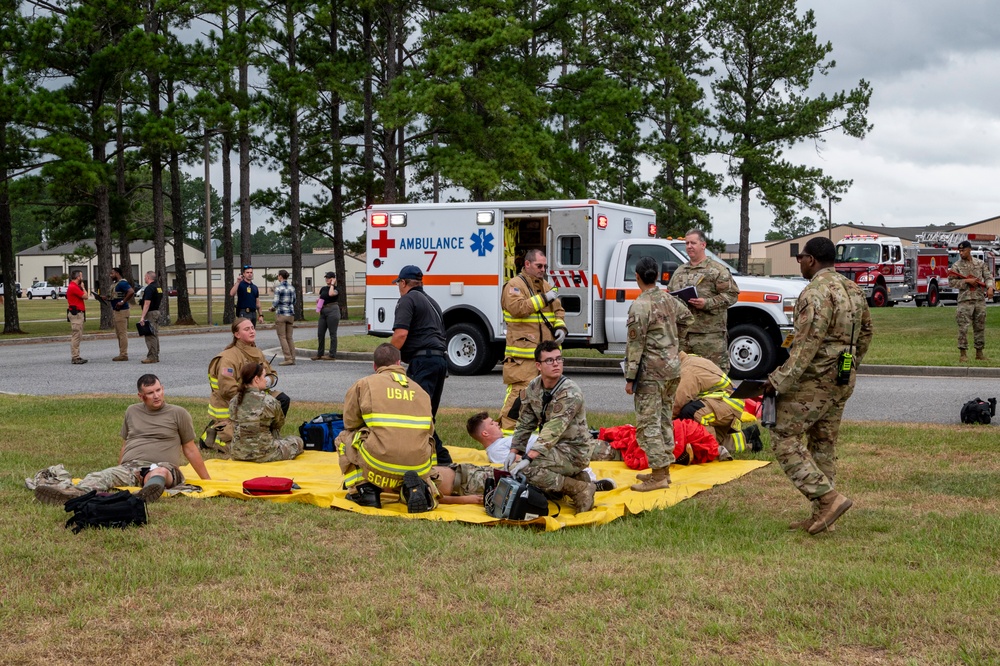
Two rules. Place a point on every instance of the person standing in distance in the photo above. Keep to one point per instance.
(247, 297)
(831, 318)
(652, 372)
(418, 333)
(76, 315)
(121, 292)
(717, 290)
(284, 316)
(329, 318)
(152, 296)
(975, 286)
(533, 314)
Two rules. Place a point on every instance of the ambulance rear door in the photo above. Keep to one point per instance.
(570, 256)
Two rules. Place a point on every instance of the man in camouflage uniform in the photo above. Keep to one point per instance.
(704, 395)
(554, 404)
(157, 439)
(717, 290)
(972, 278)
(652, 370)
(461, 483)
(831, 317)
(533, 314)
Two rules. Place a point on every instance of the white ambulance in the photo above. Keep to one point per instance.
(468, 251)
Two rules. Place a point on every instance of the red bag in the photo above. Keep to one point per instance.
(268, 485)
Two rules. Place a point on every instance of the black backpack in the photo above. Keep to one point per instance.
(120, 510)
(979, 411)
(510, 498)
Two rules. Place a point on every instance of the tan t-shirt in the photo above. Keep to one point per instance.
(156, 437)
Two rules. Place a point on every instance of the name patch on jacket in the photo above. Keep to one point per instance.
(398, 394)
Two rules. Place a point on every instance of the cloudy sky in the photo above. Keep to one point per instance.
(933, 156)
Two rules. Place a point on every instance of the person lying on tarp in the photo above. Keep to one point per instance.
(387, 443)
(482, 428)
(257, 419)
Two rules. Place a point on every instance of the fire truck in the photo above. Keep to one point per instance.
(468, 251)
(985, 247)
(889, 273)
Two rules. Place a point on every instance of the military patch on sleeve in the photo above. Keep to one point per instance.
(632, 334)
(631, 320)
(515, 291)
(228, 372)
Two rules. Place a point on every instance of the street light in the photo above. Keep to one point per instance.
(830, 198)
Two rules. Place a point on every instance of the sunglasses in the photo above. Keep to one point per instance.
(800, 257)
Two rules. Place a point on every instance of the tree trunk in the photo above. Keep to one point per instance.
(744, 224)
(293, 171)
(11, 323)
(369, 139)
(227, 229)
(179, 236)
(243, 95)
(124, 256)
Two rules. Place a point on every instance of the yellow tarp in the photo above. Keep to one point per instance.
(321, 482)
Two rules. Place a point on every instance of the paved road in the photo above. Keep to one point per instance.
(44, 369)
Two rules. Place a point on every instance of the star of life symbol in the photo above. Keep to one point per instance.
(482, 243)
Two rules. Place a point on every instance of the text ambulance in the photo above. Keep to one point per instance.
(468, 251)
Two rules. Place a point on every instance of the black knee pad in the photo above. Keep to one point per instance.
(284, 401)
(688, 411)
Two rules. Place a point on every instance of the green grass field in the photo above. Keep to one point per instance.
(908, 577)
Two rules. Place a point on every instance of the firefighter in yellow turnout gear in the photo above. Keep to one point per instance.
(533, 314)
(387, 443)
(224, 380)
(704, 395)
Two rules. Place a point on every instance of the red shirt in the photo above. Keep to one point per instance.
(75, 295)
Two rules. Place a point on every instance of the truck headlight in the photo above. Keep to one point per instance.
(789, 309)
(864, 277)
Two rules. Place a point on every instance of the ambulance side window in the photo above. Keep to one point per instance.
(570, 250)
(636, 252)
(570, 303)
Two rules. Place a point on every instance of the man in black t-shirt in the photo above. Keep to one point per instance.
(152, 295)
(247, 297)
(418, 333)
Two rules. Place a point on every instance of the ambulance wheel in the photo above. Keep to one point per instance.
(751, 352)
(467, 350)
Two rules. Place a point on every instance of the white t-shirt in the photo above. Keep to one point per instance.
(498, 451)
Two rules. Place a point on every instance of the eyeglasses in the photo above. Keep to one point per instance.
(801, 256)
(552, 361)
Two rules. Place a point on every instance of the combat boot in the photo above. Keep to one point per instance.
(685, 458)
(416, 493)
(366, 494)
(57, 494)
(980, 356)
(831, 507)
(660, 478)
(806, 523)
(753, 437)
(962, 356)
(580, 492)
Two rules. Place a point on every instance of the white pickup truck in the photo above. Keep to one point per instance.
(45, 290)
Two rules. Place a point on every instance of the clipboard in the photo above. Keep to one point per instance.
(749, 388)
(685, 294)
